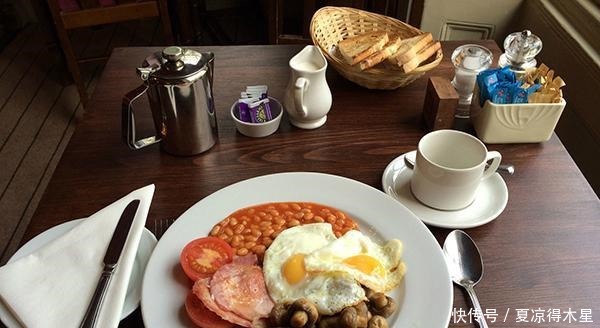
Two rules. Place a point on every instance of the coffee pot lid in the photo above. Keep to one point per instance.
(176, 63)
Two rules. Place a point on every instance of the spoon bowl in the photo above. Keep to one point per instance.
(463, 258)
(465, 266)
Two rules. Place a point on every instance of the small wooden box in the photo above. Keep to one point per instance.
(440, 104)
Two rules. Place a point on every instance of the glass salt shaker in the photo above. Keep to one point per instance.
(520, 49)
(468, 60)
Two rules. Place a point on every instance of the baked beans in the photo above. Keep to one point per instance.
(252, 229)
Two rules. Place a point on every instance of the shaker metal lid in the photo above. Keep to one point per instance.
(175, 63)
(472, 57)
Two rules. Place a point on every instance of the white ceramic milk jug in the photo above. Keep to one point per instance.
(307, 97)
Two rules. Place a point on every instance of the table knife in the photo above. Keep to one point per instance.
(113, 253)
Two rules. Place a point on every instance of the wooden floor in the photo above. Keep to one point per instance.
(39, 108)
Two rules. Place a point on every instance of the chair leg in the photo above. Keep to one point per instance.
(69, 55)
(75, 71)
(165, 20)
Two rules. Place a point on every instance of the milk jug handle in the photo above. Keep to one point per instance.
(128, 120)
(299, 89)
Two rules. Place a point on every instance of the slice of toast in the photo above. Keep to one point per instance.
(389, 49)
(427, 52)
(356, 49)
(410, 48)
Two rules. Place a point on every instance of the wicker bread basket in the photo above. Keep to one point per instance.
(330, 25)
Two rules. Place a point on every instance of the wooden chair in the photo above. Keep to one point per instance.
(86, 17)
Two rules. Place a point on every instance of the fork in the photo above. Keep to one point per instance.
(160, 226)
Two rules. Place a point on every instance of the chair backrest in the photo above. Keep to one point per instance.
(112, 14)
(69, 14)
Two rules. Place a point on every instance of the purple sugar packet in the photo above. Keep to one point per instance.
(244, 110)
(260, 111)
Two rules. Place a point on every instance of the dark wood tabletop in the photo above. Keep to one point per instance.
(541, 254)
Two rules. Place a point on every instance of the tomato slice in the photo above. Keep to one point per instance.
(201, 257)
(201, 316)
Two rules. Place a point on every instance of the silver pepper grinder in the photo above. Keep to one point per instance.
(520, 49)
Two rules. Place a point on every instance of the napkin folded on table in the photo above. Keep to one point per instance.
(53, 286)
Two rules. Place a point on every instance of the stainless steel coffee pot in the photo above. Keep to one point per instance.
(178, 83)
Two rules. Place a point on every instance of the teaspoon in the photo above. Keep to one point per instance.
(465, 266)
(409, 159)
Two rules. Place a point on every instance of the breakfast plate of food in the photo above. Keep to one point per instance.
(297, 249)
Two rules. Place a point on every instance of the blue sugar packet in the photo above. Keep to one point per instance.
(488, 81)
(522, 95)
(506, 75)
(504, 92)
(260, 111)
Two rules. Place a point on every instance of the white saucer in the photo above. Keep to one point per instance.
(134, 289)
(490, 200)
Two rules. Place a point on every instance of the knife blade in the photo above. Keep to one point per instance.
(111, 258)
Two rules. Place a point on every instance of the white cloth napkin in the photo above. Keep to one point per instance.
(53, 286)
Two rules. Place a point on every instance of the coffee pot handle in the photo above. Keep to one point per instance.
(299, 89)
(128, 120)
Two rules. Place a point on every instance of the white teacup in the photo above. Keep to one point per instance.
(449, 167)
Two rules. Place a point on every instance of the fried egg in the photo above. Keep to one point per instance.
(379, 268)
(287, 279)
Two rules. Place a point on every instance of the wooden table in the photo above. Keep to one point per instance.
(542, 253)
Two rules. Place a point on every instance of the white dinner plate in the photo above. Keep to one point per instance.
(424, 297)
(132, 299)
(490, 199)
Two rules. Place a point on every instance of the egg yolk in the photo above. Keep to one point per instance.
(365, 264)
(293, 270)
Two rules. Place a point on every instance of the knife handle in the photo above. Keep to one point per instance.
(91, 315)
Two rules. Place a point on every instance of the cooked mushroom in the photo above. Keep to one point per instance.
(279, 315)
(368, 292)
(329, 322)
(356, 316)
(348, 318)
(363, 315)
(378, 321)
(382, 305)
(302, 313)
(299, 319)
